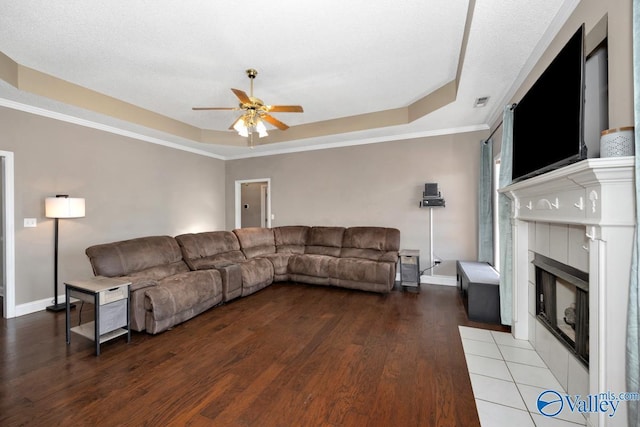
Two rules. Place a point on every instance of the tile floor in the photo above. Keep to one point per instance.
(507, 376)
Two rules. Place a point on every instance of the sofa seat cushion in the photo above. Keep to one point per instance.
(177, 299)
(312, 265)
(215, 249)
(324, 241)
(183, 292)
(256, 241)
(257, 273)
(365, 271)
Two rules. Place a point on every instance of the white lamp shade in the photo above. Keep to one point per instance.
(241, 128)
(64, 207)
(262, 130)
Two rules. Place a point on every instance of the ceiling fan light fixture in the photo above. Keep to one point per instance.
(246, 126)
(241, 128)
(262, 130)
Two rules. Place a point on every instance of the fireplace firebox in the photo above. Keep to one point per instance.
(563, 304)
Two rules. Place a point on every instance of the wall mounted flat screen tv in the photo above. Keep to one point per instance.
(548, 122)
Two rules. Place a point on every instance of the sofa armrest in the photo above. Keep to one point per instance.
(136, 303)
(139, 282)
(389, 257)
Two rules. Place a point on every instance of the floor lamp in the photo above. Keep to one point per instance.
(61, 206)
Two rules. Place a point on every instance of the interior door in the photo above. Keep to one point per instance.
(253, 203)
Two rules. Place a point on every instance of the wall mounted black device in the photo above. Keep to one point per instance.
(431, 196)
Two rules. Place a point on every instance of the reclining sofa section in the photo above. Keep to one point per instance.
(164, 290)
(174, 279)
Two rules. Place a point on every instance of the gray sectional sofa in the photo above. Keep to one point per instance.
(176, 278)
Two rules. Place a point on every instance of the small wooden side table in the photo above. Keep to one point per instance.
(110, 298)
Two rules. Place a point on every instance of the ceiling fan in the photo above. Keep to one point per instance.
(256, 112)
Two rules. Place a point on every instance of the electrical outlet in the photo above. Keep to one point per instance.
(437, 261)
(30, 222)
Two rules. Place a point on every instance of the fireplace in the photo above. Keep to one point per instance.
(562, 304)
(582, 215)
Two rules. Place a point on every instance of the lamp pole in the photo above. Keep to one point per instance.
(58, 207)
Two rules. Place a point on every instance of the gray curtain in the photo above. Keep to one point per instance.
(504, 219)
(485, 203)
(633, 311)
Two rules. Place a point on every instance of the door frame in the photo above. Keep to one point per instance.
(238, 200)
(8, 231)
(264, 197)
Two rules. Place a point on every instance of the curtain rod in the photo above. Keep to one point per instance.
(486, 141)
(497, 127)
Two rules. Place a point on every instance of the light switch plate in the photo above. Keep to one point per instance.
(30, 222)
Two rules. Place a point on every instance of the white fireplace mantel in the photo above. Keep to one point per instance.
(598, 194)
(590, 192)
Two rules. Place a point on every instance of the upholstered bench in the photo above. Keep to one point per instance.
(479, 286)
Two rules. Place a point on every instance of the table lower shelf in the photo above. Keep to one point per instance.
(87, 330)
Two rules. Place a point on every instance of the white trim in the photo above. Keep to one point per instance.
(495, 186)
(99, 126)
(35, 306)
(264, 196)
(238, 200)
(363, 141)
(9, 235)
(250, 153)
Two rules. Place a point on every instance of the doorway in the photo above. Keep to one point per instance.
(7, 236)
(253, 203)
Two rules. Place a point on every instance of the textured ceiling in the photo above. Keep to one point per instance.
(337, 59)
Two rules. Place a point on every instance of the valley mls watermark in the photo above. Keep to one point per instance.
(551, 403)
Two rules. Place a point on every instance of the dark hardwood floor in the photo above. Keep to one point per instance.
(289, 355)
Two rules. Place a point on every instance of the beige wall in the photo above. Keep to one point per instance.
(378, 184)
(132, 188)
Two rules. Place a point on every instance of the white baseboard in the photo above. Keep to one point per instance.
(34, 306)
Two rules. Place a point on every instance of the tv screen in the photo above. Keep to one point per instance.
(548, 121)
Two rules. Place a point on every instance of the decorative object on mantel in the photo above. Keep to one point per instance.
(570, 316)
(617, 142)
(61, 206)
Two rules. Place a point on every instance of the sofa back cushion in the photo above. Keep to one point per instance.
(373, 243)
(324, 241)
(291, 239)
(213, 249)
(256, 241)
(155, 257)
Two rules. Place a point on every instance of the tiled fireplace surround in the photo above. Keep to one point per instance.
(582, 215)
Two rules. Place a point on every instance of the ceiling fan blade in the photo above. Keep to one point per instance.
(277, 123)
(242, 96)
(214, 108)
(285, 109)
